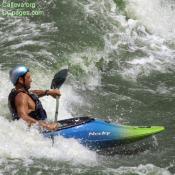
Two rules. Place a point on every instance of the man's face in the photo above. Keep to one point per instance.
(26, 81)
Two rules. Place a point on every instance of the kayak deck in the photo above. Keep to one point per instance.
(72, 122)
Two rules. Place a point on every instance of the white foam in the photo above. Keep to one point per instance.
(86, 60)
(18, 142)
(131, 35)
(140, 170)
(163, 24)
(27, 43)
(5, 87)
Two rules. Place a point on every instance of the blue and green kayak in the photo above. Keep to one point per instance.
(97, 133)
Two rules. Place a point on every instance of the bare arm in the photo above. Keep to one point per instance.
(21, 102)
(52, 92)
(40, 93)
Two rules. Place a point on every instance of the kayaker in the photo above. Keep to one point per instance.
(24, 103)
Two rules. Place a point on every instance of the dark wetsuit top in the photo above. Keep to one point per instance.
(38, 114)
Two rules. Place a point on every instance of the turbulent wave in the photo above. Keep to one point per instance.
(161, 25)
(21, 143)
(140, 170)
(126, 42)
(130, 47)
(120, 57)
(21, 38)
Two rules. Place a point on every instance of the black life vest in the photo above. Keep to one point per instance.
(38, 114)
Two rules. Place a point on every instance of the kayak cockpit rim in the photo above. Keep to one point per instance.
(72, 122)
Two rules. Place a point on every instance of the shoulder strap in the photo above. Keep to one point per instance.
(11, 103)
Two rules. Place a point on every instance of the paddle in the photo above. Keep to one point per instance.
(57, 82)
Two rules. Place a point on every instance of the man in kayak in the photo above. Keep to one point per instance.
(25, 104)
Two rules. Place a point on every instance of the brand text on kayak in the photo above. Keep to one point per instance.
(99, 133)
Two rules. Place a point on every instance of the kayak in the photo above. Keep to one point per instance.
(96, 133)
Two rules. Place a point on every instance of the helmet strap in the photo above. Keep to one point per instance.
(25, 83)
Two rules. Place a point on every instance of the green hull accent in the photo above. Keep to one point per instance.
(135, 133)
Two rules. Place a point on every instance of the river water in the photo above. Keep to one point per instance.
(120, 55)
